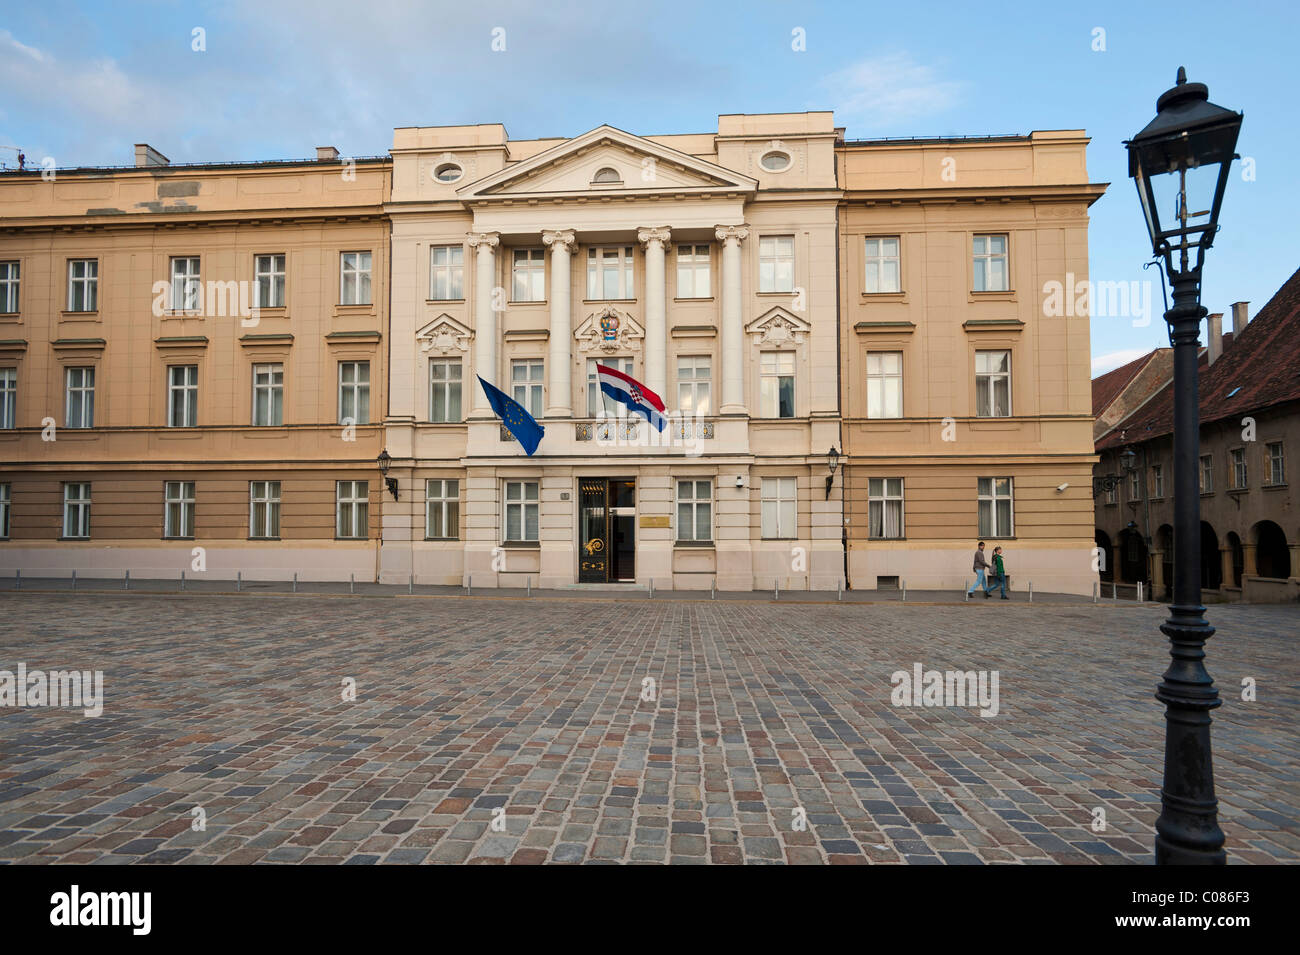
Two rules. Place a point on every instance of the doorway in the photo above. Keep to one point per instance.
(606, 530)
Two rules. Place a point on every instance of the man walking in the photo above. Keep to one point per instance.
(999, 573)
(980, 566)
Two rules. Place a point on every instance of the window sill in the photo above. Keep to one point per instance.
(11, 316)
(993, 295)
(781, 292)
(525, 303)
(444, 301)
(263, 538)
(883, 296)
(687, 299)
(361, 540)
(69, 314)
(1273, 487)
(442, 540)
(74, 538)
(694, 545)
(522, 545)
(360, 308)
(603, 301)
(1207, 494)
(886, 539)
(164, 538)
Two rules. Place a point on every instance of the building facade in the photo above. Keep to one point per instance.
(854, 341)
(1250, 417)
(179, 348)
(702, 266)
(965, 385)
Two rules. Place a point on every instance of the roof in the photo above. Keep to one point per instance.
(1258, 369)
(1106, 388)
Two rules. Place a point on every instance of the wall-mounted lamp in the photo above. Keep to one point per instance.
(385, 461)
(833, 457)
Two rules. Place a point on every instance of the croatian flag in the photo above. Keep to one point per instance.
(638, 398)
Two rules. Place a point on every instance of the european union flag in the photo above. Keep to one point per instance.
(512, 414)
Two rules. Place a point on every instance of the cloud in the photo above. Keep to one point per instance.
(882, 89)
(1109, 362)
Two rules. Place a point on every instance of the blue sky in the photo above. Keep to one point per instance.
(85, 81)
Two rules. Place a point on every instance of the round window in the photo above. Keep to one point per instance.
(448, 172)
(607, 174)
(775, 161)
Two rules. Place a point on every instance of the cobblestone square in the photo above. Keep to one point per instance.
(492, 730)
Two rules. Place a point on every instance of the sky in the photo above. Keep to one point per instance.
(273, 80)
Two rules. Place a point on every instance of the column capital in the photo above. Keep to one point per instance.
(659, 235)
(732, 233)
(483, 241)
(557, 239)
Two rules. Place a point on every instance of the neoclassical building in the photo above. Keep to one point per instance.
(192, 374)
(966, 394)
(853, 340)
(701, 265)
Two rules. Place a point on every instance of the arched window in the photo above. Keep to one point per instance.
(607, 175)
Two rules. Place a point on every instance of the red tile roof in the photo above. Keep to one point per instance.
(1259, 370)
(1106, 388)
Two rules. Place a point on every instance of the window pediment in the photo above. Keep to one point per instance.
(778, 326)
(445, 336)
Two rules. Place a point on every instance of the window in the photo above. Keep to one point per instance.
(694, 381)
(885, 508)
(693, 271)
(1112, 490)
(264, 509)
(8, 287)
(5, 494)
(444, 390)
(354, 283)
(447, 273)
(353, 509)
(521, 511)
(1276, 463)
(1134, 485)
(597, 400)
(8, 397)
(268, 394)
(990, 263)
(885, 384)
(268, 270)
(80, 398)
(441, 509)
(780, 516)
(609, 273)
(186, 287)
(776, 385)
(354, 392)
(1157, 480)
(182, 396)
(882, 267)
(178, 510)
(1238, 459)
(1207, 474)
(776, 263)
(76, 510)
(529, 271)
(606, 175)
(695, 511)
(83, 285)
(526, 384)
(775, 161)
(992, 384)
(448, 172)
(995, 507)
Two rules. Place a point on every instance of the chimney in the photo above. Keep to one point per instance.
(146, 155)
(1214, 343)
(326, 153)
(1240, 316)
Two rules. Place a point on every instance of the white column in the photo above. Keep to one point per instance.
(733, 329)
(560, 400)
(485, 317)
(655, 242)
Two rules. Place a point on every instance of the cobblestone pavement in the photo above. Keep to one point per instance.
(477, 712)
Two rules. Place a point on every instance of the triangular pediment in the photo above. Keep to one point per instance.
(778, 326)
(607, 161)
(444, 336)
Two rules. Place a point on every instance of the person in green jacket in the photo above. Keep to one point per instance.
(999, 575)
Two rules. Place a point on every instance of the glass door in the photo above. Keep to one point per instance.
(593, 524)
(622, 527)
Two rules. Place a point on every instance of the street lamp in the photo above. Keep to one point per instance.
(1183, 157)
(385, 461)
(1108, 482)
(834, 459)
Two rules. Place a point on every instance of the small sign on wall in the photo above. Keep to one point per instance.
(655, 520)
